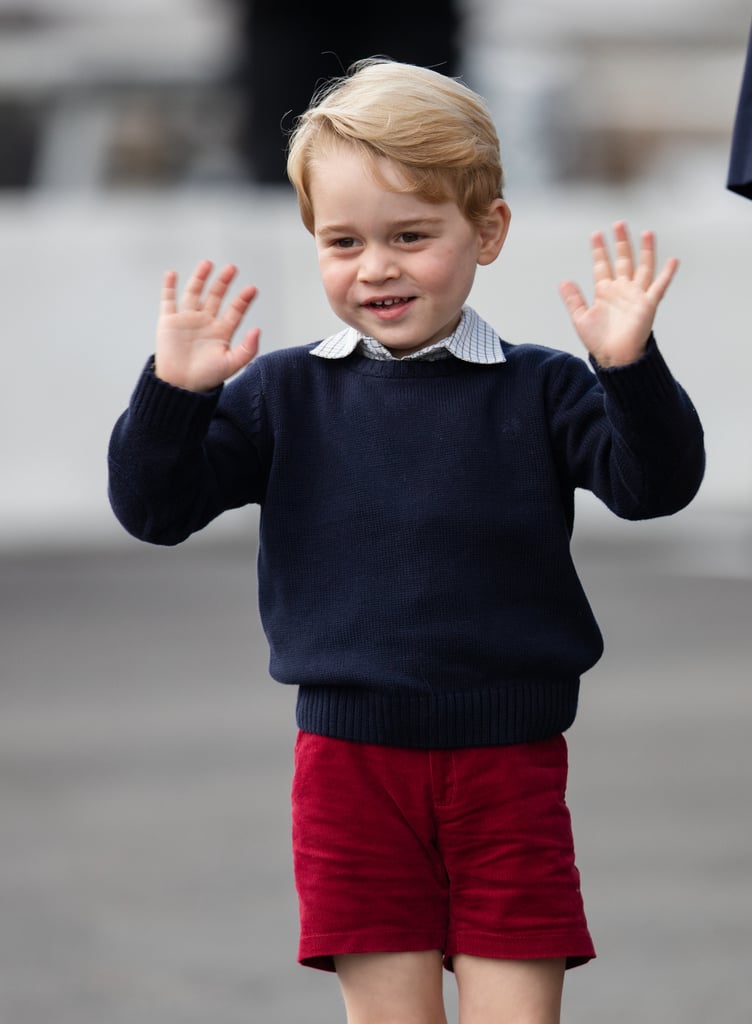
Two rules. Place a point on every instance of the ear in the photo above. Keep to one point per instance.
(493, 232)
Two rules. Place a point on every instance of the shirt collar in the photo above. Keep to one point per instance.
(473, 341)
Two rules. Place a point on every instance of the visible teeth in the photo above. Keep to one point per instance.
(386, 302)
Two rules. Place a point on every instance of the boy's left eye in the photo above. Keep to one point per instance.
(410, 237)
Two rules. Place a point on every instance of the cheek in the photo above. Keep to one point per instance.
(459, 267)
(335, 279)
(445, 270)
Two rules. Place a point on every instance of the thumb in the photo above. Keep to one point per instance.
(573, 298)
(245, 352)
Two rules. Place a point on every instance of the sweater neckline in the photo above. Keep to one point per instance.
(399, 369)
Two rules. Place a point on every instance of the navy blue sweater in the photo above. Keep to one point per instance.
(415, 577)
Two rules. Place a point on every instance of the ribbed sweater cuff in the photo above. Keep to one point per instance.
(645, 383)
(162, 408)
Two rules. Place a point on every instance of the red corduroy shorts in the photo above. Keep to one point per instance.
(464, 851)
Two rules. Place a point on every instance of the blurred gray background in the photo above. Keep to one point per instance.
(144, 753)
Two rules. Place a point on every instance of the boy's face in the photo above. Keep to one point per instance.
(393, 266)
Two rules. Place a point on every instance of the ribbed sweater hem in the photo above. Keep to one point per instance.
(515, 712)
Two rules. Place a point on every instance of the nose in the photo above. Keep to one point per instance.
(377, 263)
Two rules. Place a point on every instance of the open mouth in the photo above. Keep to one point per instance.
(387, 303)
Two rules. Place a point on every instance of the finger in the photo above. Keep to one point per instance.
(658, 288)
(219, 288)
(237, 308)
(646, 266)
(601, 262)
(191, 298)
(167, 303)
(624, 261)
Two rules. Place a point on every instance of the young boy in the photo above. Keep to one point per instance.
(416, 476)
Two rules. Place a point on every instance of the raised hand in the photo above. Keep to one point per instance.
(194, 341)
(616, 327)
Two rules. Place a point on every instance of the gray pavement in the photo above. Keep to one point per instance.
(145, 762)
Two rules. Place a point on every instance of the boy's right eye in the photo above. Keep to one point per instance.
(344, 243)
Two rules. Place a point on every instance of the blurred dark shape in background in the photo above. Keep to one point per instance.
(740, 165)
(19, 121)
(183, 94)
(19, 132)
(292, 46)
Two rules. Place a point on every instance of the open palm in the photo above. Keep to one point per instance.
(194, 338)
(615, 327)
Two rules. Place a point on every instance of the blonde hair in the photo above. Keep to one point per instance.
(437, 130)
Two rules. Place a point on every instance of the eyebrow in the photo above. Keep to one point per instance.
(398, 225)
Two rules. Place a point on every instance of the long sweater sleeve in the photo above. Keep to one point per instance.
(635, 441)
(177, 460)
